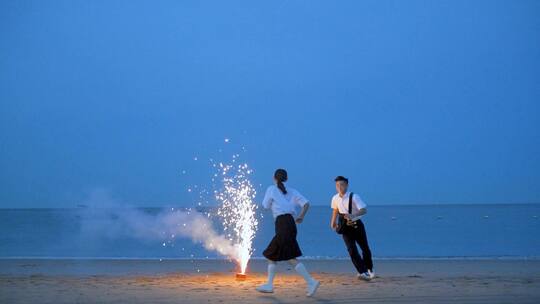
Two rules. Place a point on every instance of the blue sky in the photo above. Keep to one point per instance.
(415, 101)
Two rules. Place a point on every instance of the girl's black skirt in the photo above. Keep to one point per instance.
(284, 245)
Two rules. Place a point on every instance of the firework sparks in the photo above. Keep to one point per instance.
(237, 208)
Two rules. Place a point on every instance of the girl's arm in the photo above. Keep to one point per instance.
(300, 217)
(267, 200)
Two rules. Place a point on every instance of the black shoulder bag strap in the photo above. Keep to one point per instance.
(350, 203)
(341, 229)
(354, 225)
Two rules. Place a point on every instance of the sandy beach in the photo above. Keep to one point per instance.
(213, 281)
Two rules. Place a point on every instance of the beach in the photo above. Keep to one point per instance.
(213, 281)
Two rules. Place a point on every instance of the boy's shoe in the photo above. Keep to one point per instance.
(364, 276)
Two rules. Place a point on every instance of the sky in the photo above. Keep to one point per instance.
(417, 102)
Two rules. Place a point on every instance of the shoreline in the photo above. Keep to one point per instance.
(121, 267)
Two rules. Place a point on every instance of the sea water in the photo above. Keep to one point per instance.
(413, 231)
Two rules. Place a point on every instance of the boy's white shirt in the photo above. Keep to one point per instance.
(342, 204)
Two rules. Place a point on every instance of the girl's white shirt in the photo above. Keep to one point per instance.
(283, 203)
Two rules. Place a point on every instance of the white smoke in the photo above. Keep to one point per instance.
(105, 217)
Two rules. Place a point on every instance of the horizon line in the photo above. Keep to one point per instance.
(82, 206)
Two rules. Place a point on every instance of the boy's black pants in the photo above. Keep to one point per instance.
(358, 235)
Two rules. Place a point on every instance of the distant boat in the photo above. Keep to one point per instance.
(486, 216)
(393, 218)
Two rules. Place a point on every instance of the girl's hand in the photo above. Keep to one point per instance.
(299, 220)
(333, 225)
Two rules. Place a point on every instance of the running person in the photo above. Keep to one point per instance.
(284, 247)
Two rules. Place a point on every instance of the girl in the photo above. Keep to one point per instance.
(284, 246)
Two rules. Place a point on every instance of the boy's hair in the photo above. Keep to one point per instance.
(341, 178)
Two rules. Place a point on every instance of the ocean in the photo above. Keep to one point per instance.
(414, 231)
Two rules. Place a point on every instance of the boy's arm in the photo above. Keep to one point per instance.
(333, 224)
